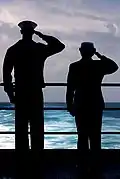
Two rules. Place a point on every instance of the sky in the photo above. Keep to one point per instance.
(72, 22)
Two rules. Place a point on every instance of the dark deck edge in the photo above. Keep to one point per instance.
(55, 157)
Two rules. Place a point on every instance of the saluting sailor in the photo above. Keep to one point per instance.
(27, 58)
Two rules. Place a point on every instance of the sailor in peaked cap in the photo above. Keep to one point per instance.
(27, 57)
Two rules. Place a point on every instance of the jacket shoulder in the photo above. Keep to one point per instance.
(13, 47)
(75, 64)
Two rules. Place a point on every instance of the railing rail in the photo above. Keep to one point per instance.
(62, 108)
(65, 84)
(58, 108)
(59, 133)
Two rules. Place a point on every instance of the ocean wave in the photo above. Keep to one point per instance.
(61, 121)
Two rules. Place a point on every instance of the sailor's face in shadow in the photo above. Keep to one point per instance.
(27, 32)
(87, 52)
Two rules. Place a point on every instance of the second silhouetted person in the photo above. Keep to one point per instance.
(84, 96)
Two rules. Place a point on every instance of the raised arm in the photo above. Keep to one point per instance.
(53, 44)
(108, 65)
(7, 76)
(70, 91)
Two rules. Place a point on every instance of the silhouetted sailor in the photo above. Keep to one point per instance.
(84, 97)
(27, 58)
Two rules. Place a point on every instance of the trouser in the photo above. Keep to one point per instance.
(30, 111)
(88, 123)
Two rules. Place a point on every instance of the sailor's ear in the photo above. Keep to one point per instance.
(21, 31)
(94, 50)
(79, 49)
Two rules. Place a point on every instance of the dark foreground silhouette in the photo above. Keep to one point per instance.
(85, 102)
(27, 58)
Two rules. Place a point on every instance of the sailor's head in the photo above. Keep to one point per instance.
(27, 27)
(87, 49)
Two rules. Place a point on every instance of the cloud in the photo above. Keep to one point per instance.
(50, 15)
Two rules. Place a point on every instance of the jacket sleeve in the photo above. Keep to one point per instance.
(70, 88)
(7, 70)
(53, 45)
(108, 65)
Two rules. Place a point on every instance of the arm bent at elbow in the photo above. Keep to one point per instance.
(53, 44)
(110, 65)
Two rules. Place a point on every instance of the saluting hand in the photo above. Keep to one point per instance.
(38, 33)
(71, 110)
(11, 98)
(98, 54)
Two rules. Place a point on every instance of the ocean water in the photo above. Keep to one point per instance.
(60, 120)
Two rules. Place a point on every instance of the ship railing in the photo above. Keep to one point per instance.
(63, 108)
